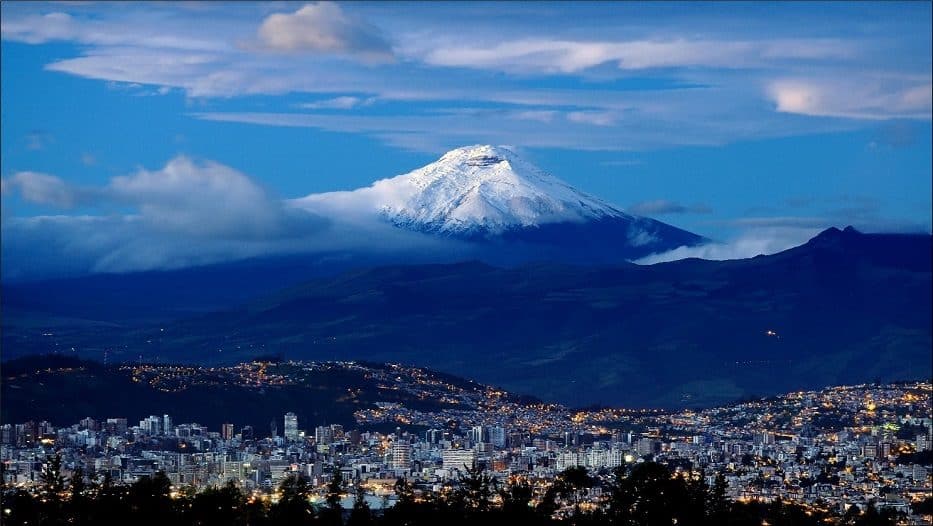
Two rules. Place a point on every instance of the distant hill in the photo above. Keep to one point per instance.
(844, 307)
(64, 390)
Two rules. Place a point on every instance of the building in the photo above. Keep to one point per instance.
(401, 455)
(226, 431)
(458, 458)
(646, 446)
(323, 435)
(497, 436)
(291, 426)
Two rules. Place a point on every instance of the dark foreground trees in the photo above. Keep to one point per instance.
(645, 494)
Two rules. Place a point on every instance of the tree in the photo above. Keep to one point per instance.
(149, 500)
(79, 507)
(870, 517)
(334, 513)
(361, 515)
(717, 504)
(53, 482)
(293, 507)
(224, 505)
(476, 488)
(648, 495)
(406, 509)
(515, 498)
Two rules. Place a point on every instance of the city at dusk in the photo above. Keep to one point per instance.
(411, 263)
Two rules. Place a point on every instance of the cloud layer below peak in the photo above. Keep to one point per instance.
(186, 213)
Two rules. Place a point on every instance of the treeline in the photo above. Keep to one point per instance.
(644, 495)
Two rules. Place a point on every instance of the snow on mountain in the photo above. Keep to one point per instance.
(472, 190)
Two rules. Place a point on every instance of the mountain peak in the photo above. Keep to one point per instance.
(490, 193)
(480, 154)
(834, 235)
(488, 189)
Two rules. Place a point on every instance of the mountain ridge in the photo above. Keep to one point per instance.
(844, 307)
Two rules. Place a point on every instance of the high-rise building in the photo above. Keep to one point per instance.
(116, 426)
(646, 446)
(166, 425)
(922, 442)
(226, 431)
(290, 428)
(151, 425)
(432, 436)
(497, 436)
(6, 434)
(478, 435)
(458, 458)
(323, 435)
(88, 423)
(401, 455)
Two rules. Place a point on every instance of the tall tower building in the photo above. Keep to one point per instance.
(226, 431)
(291, 426)
(323, 435)
(478, 435)
(401, 455)
(497, 436)
(166, 425)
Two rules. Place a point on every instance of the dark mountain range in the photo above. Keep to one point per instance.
(63, 390)
(845, 307)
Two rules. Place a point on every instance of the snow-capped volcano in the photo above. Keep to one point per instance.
(489, 193)
(486, 189)
(475, 189)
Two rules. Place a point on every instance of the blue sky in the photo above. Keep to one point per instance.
(754, 124)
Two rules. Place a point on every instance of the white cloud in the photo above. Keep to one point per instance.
(855, 96)
(41, 188)
(323, 27)
(337, 103)
(572, 56)
(751, 243)
(186, 213)
(203, 198)
(38, 140)
(596, 118)
(709, 87)
(61, 26)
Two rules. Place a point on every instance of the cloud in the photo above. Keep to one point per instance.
(189, 212)
(41, 188)
(61, 26)
(596, 118)
(38, 140)
(750, 243)
(855, 97)
(323, 27)
(645, 126)
(772, 234)
(630, 85)
(39, 29)
(203, 198)
(665, 207)
(337, 103)
(572, 56)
